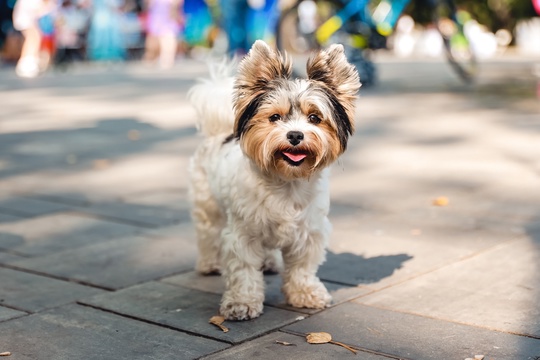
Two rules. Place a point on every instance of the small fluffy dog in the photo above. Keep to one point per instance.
(259, 180)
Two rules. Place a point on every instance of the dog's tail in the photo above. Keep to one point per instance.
(212, 99)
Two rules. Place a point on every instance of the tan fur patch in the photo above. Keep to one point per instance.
(263, 89)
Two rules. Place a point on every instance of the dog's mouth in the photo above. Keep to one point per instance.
(294, 157)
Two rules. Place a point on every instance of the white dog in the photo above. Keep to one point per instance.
(259, 179)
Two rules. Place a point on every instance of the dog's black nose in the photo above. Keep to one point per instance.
(295, 137)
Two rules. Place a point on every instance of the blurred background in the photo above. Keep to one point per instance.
(164, 31)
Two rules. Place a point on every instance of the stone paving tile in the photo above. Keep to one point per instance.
(7, 257)
(7, 314)
(29, 292)
(78, 332)
(56, 232)
(170, 198)
(138, 214)
(498, 289)
(69, 198)
(162, 168)
(28, 207)
(268, 348)
(273, 294)
(407, 336)
(378, 251)
(470, 204)
(119, 263)
(188, 310)
(4, 218)
(186, 231)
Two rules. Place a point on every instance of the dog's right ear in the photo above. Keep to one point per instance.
(256, 72)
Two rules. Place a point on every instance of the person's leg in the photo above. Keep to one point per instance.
(167, 50)
(28, 64)
(234, 13)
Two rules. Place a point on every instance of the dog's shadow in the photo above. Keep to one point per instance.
(350, 269)
(345, 276)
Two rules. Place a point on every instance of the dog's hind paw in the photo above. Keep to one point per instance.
(208, 267)
(241, 311)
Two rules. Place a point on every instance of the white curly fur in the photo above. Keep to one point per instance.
(247, 220)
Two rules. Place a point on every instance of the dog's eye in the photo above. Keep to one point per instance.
(314, 119)
(275, 117)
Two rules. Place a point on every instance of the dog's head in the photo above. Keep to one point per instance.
(293, 128)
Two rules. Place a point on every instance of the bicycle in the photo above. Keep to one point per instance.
(365, 25)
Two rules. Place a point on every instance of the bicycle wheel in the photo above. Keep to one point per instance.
(296, 30)
(450, 23)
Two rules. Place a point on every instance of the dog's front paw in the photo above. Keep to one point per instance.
(311, 296)
(235, 310)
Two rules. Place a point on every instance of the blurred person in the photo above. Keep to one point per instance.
(199, 28)
(132, 29)
(234, 16)
(105, 41)
(262, 20)
(47, 27)
(163, 25)
(245, 21)
(26, 19)
(72, 23)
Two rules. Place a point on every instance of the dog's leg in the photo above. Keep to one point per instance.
(301, 286)
(208, 226)
(208, 220)
(242, 262)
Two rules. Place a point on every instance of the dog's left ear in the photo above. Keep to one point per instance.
(256, 72)
(331, 68)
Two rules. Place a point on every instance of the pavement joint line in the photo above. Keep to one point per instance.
(82, 303)
(452, 321)
(15, 252)
(356, 347)
(338, 282)
(55, 199)
(291, 309)
(61, 278)
(161, 278)
(13, 307)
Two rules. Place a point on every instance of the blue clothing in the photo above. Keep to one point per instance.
(244, 25)
(105, 39)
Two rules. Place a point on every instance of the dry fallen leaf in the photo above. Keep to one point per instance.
(324, 338)
(134, 135)
(218, 320)
(318, 338)
(441, 201)
(71, 159)
(479, 357)
(284, 343)
(5, 353)
(100, 164)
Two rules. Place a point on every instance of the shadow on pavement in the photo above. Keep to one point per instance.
(352, 270)
(75, 148)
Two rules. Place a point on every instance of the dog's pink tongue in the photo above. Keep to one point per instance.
(294, 157)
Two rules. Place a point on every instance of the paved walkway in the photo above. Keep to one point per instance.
(97, 249)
